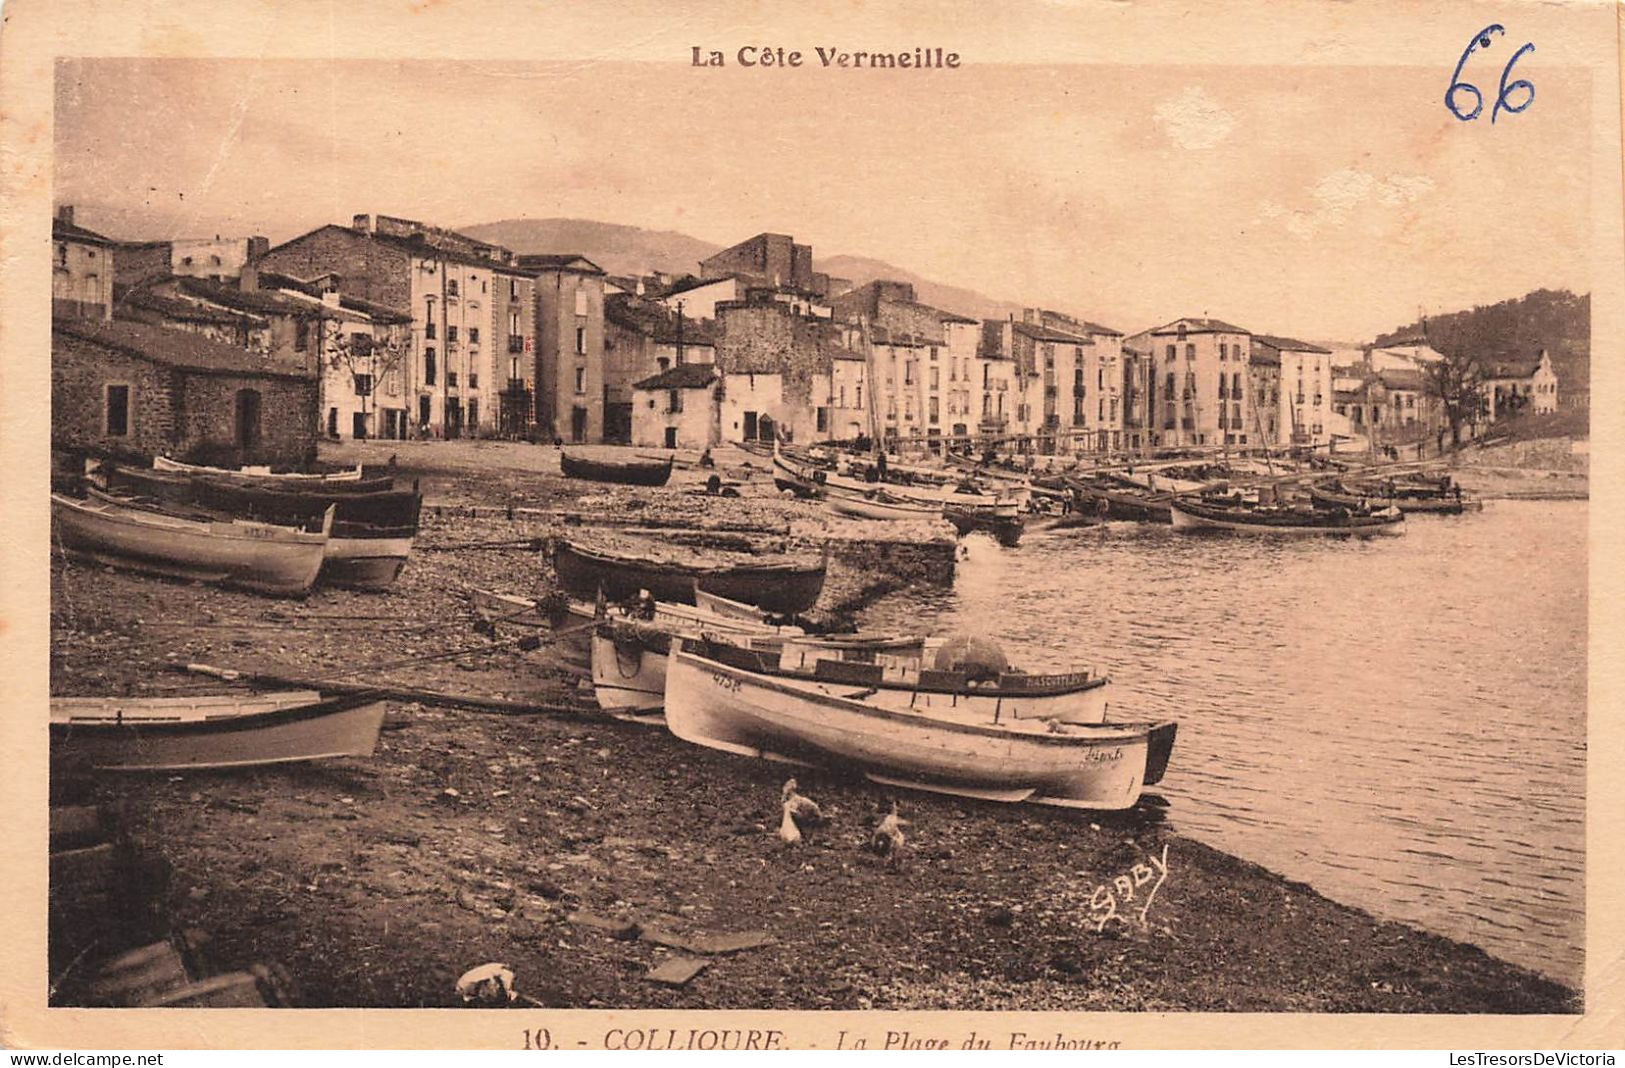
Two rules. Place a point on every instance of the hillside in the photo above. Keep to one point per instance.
(633, 250)
(859, 270)
(1516, 330)
(617, 249)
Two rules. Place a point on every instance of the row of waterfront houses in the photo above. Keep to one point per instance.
(400, 329)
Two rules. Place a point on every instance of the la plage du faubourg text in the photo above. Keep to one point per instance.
(781, 57)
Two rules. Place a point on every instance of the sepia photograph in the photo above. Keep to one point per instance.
(866, 519)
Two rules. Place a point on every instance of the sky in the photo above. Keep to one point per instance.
(1328, 203)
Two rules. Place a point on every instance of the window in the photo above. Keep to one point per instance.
(1223, 392)
(1223, 350)
(858, 390)
(581, 340)
(473, 335)
(363, 385)
(451, 378)
(451, 334)
(581, 380)
(117, 421)
(581, 302)
(932, 410)
(935, 381)
(823, 420)
(301, 335)
(674, 401)
(451, 287)
(1182, 331)
(473, 381)
(1190, 351)
(1173, 351)
(933, 354)
(428, 366)
(513, 289)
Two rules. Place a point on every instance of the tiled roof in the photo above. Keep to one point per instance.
(1040, 332)
(63, 231)
(565, 261)
(143, 299)
(1200, 326)
(181, 349)
(1289, 344)
(1394, 378)
(1520, 369)
(1264, 356)
(683, 376)
(265, 302)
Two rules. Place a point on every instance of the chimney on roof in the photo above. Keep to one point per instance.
(361, 224)
(332, 298)
(64, 214)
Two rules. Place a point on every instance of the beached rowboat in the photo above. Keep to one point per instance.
(182, 734)
(944, 750)
(164, 463)
(631, 471)
(262, 557)
(783, 586)
(878, 503)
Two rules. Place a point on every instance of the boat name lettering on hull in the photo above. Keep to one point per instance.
(725, 681)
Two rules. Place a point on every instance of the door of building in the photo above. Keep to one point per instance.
(750, 426)
(248, 419)
(578, 425)
(454, 418)
(358, 426)
(671, 437)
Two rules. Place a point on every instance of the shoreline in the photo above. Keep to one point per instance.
(542, 840)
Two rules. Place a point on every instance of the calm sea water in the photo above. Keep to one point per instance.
(1400, 722)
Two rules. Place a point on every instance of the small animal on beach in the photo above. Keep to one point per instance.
(798, 812)
(887, 838)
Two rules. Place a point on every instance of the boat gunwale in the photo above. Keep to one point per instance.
(248, 721)
(1099, 733)
(115, 510)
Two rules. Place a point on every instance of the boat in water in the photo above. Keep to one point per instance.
(262, 557)
(1003, 520)
(713, 699)
(1111, 499)
(230, 731)
(777, 583)
(628, 470)
(1432, 498)
(1202, 516)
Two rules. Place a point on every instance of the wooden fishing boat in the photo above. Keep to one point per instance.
(164, 463)
(1002, 520)
(571, 652)
(784, 585)
(1335, 494)
(629, 655)
(371, 537)
(880, 503)
(1195, 516)
(805, 480)
(633, 470)
(189, 733)
(1109, 499)
(265, 558)
(947, 748)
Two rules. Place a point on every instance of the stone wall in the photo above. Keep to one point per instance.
(371, 270)
(206, 416)
(80, 374)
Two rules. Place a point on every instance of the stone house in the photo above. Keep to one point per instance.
(786, 362)
(141, 390)
(1513, 387)
(768, 260)
(570, 350)
(642, 338)
(1198, 392)
(82, 265)
(677, 408)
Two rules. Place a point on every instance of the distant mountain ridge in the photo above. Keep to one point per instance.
(632, 250)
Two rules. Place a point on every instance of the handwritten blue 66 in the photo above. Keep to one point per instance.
(1481, 39)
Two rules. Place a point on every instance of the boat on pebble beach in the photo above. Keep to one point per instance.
(261, 557)
(780, 584)
(223, 731)
(633, 470)
(1408, 498)
(372, 532)
(347, 474)
(714, 699)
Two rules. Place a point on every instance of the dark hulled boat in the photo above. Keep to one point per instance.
(1407, 498)
(632, 471)
(1110, 499)
(782, 586)
(1200, 515)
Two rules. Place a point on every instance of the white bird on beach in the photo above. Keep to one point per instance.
(887, 839)
(799, 812)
